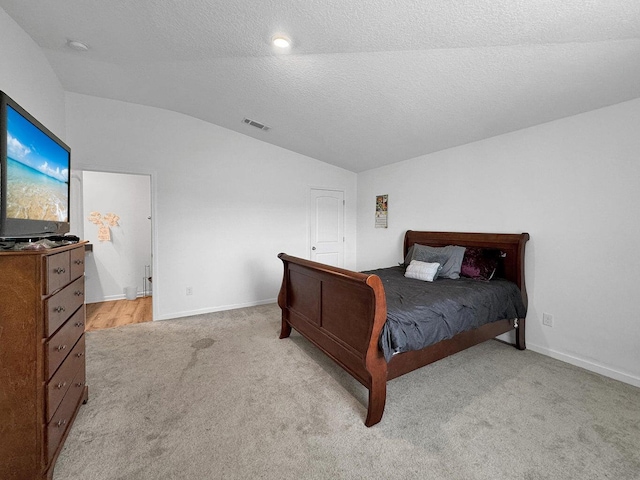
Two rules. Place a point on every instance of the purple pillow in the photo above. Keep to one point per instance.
(480, 263)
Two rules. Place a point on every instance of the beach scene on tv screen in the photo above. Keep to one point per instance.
(37, 172)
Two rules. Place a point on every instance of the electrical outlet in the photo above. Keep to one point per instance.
(189, 290)
(547, 319)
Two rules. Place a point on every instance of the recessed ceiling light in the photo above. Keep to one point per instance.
(281, 41)
(78, 46)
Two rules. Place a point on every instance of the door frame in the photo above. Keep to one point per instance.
(78, 168)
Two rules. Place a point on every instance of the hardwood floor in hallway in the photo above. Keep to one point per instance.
(118, 312)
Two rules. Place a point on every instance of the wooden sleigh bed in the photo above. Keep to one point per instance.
(343, 312)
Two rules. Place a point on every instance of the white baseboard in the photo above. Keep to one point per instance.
(111, 298)
(190, 313)
(592, 367)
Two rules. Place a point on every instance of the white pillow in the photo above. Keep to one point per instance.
(422, 270)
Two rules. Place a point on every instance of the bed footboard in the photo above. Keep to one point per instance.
(342, 313)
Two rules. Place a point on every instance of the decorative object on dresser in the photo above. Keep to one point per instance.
(42, 356)
(357, 318)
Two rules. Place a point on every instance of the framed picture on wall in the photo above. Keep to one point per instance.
(382, 204)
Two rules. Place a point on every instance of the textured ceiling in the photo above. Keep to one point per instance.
(366, 82)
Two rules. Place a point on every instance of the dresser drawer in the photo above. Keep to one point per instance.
(58, 272)
(61, 382)
(62, 305)
(59, 345)
(76, 258)
(61, 420)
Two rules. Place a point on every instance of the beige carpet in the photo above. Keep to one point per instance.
(219, 396)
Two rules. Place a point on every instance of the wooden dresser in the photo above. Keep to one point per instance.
(42, 362)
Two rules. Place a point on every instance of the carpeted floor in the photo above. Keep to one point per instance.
(219, 396)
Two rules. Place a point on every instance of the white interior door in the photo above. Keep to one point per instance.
(326, 220)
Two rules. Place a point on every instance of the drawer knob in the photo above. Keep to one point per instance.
(79, 354)
(78, 262)
(61, 385)
(61, 347)
(78, 293)
(80, 384)
(59, 270)
(79, 324)
(60, 423)
(58, 309)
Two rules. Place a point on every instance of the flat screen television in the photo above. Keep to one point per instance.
(34, 176)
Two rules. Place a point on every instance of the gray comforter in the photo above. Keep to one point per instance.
(420, 313)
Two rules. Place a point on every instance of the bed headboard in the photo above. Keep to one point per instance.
(511, 264)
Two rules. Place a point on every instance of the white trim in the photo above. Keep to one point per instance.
(189, 313)
(592, 367)
(113, 298)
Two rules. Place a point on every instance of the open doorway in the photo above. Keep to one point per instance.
(118, 224)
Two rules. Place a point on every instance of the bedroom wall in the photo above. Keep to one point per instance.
(27, 77)
(224, 204)
(573, 184)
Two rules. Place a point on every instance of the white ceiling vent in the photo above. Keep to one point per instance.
(253, 123)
